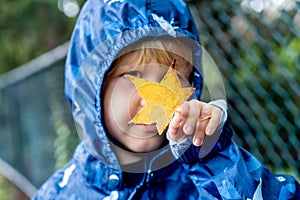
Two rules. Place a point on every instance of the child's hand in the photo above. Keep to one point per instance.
(195, 117)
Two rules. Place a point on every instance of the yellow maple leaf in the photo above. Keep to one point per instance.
(161, 99)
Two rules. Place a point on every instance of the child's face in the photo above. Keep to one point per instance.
(122, 102)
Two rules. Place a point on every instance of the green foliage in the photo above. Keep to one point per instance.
(289, 57)
(29, 28)
(65, 141)
(8, 191)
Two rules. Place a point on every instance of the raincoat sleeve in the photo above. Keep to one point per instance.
(234, 173)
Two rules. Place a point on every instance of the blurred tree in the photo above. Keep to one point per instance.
(9, 191)
(29, 28)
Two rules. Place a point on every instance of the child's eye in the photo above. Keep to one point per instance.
(133, 73)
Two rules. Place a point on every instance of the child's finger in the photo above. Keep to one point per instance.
(201, 122)
(213, 122)
(191, 119)
(200, 127)
(174, 125)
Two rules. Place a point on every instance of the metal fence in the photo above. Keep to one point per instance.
(37, 134)
(256, 46)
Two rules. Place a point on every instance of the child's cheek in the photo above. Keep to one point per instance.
(123, 100)
(135, 103)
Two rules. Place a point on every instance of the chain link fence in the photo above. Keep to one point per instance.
(256, 46)
(37, 133)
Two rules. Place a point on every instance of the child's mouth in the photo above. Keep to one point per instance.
(147, 127)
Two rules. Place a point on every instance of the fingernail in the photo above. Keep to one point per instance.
(209, 131)
(188, 130)
(177, 117)
(197, 142)
(178, 109)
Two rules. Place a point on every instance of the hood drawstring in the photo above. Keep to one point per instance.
(142, 182)
(148, 171)
(160, 154)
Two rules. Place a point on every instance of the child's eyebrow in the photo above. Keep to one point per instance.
(126, 67)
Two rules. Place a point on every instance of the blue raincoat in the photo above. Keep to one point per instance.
(227, 171)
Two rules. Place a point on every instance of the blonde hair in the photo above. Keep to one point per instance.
(162, 49)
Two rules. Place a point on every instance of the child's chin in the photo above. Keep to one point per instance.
(145, 147)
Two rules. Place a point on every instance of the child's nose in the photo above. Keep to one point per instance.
(154, 72)
(150, 78)
(155, 77)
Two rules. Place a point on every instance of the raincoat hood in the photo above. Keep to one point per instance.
(103, 28)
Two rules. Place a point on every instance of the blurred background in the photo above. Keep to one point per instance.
(255, 44)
